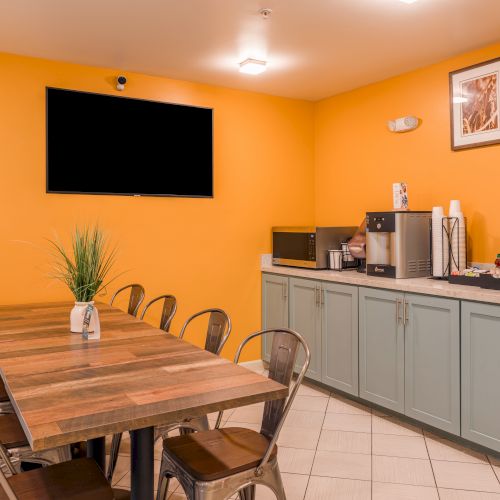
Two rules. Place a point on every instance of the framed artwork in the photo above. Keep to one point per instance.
(474, 103)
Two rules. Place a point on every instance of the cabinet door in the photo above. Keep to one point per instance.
(305, 318)
(274, 308)
(339, 337)
(381, 348)
(481, 374)
(432, 361)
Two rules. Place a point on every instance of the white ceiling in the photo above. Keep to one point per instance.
(315, 48)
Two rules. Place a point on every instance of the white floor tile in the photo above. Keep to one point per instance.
(342, 465)
(443, 449)
(300, 419)
(295, 460)
(305, 439)
(310, 403)
(339, 404)
(349, 423)
(121, 469)
(125, 480)
(391, 491)
(390, 425)
(251, 414)
(339, 449)
(295, 487)
(331, 488)
(402, 470)
(348, 442)
(392, 445)
(465, 476)
(495, 463)
(310, 390)
(446, 494)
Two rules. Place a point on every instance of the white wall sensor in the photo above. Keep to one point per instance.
(404, 124)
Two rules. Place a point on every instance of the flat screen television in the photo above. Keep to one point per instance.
(101, 144)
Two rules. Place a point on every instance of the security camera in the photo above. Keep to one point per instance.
(120, 82)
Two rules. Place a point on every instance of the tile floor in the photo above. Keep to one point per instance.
(332, 448)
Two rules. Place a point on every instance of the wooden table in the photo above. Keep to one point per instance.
(65, 389)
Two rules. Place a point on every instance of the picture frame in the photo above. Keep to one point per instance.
(475, 105)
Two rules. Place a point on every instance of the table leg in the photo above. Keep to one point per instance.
(96, 449)
(142, 463)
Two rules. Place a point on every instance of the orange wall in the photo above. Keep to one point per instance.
(358, 159)
(205, 251)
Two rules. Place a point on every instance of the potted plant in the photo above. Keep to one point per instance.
(84, 269)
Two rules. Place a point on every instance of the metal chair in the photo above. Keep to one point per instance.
(218, 331)
(168, 311)
(219, 328)
(136, 297)
(80, 478)
(17, 448)
(218, 463)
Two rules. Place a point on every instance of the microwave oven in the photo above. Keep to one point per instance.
(307, 246)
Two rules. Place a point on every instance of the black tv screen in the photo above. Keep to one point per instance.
(101, 144)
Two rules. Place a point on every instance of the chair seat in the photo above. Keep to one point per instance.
(4, 397)
(11, 433)
(79, 479)
(219, 453)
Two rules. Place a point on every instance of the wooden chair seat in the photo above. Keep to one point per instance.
(79, 479)
(11, 433)
(4, 397)
(219, 453)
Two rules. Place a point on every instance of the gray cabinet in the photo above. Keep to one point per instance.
(409, 355)
(274, 308)
(305, 318)
(339, 336)
(432, 361)
(400, 351)
(381, 348)
(481, 374)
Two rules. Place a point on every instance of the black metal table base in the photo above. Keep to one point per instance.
(142, 463)
(96, 449)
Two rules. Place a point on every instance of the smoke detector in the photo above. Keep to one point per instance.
(265, 13)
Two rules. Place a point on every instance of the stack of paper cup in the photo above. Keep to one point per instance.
(439, 243)
(458, 257)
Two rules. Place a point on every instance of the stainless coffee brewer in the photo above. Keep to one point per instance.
(398, 244)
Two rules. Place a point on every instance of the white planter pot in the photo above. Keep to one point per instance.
(76, 317)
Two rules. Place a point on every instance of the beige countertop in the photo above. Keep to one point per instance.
(424, 286)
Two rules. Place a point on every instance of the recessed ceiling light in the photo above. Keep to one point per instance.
(408, 1)
(253, 66)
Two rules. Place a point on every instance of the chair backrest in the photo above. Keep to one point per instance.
(281, 367)
(168, 311)
(136, 297)
(219, 328)
(4, 484)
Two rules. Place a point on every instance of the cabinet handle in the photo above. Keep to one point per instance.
(399, 320)
(285, 291)
(406, 308)
(316, 295)
(322, 295)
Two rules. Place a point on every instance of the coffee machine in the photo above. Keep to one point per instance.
(398, 244)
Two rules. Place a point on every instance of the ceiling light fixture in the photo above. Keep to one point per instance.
(408, 1)
(253, 66)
